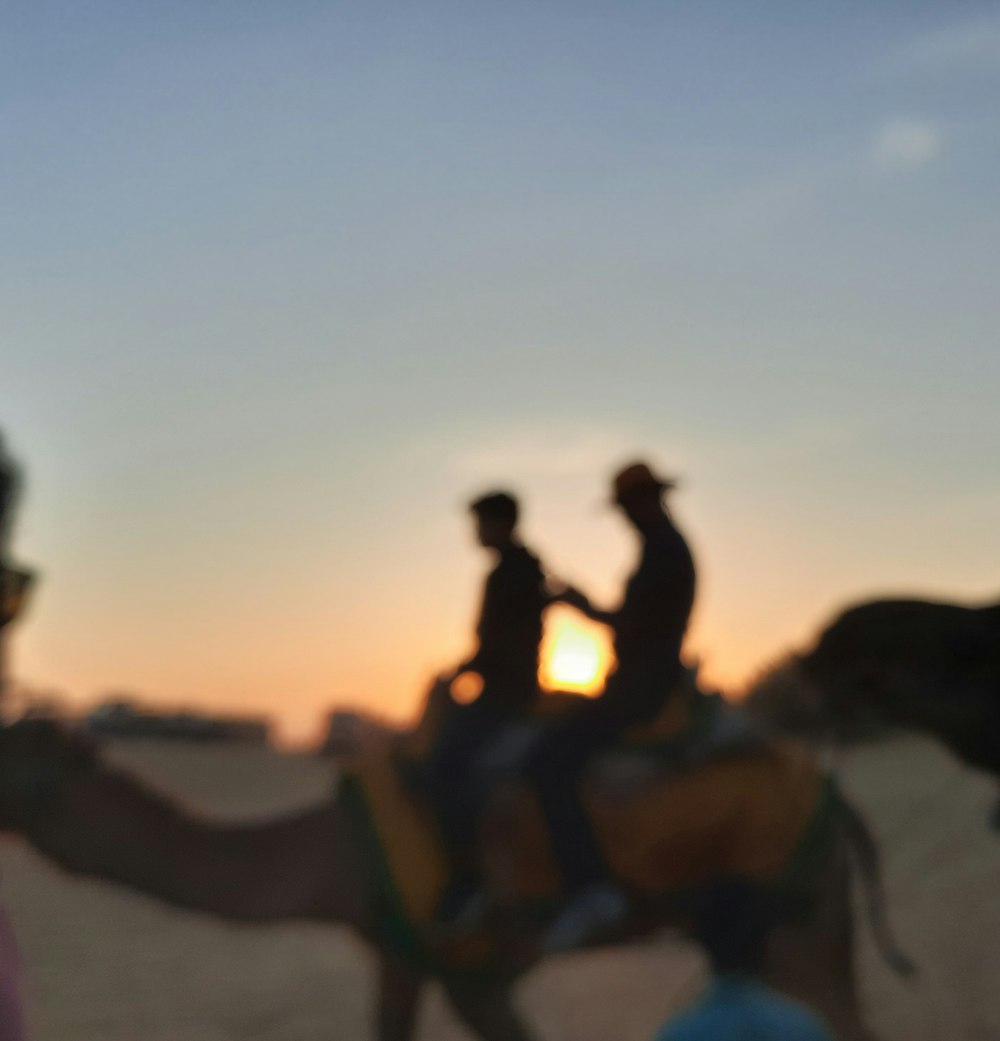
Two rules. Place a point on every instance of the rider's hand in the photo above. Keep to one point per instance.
(572, 596)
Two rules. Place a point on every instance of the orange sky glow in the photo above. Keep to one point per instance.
(217, 613)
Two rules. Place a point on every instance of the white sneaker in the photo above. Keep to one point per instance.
(589, 912)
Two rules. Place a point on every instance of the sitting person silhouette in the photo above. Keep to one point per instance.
(732, 922)
(509, 631)
(648, 628)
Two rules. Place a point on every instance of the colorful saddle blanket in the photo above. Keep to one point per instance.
(763, 814)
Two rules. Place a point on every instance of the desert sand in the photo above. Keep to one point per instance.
(104, 964)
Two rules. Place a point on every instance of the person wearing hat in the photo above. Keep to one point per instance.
(508, 632)
(650, 624)
(649, 627)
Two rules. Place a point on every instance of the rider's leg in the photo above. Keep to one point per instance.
(555, 766)
(456, 795)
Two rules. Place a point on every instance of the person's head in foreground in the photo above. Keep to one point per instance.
(733, 920)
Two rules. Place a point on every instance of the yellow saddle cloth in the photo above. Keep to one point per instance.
(760, 815)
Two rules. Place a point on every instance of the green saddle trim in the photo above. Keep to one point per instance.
(398, 933)
(814, 846)
(393, 925)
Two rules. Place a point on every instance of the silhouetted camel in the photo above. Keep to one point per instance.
(97, 820)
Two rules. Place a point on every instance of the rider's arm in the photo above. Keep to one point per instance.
(581, 602)
(468, 665)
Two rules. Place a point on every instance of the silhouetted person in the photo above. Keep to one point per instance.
(649, 629)
(509, 631)
(733, 922)
(650, 624)
(10, 486)
(12, 583)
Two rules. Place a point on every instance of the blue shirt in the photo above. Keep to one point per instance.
(736, 1009)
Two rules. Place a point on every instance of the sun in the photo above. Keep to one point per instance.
(575, 654)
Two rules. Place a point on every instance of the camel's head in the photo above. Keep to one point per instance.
(859, 667)
(853, 661)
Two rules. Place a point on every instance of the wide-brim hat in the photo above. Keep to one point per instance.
(638, 476)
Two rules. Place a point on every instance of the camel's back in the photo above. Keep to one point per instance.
(740, 815)
(758, 814)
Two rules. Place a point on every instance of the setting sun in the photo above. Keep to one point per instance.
(576, 654)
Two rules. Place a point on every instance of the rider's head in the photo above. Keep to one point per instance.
(496, 518)
(639, 493)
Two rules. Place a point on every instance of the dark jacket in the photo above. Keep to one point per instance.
(510, 631)
(649, 626)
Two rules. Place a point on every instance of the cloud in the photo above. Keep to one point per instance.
(964, 47)
(907, 144)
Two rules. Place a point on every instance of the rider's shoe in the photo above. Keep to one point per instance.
(590, 912)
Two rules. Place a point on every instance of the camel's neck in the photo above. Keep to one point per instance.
(112, 826)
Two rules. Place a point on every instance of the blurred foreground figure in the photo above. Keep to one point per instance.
(13, 586)
(733, 922)
(10, 480)
(649, 629)
(10, 486)
(14, 582)
(509, 632)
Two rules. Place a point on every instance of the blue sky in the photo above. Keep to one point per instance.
(283, 285)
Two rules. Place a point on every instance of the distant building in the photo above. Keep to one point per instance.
(120, 717)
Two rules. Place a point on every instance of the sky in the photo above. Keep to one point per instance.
(283, 286)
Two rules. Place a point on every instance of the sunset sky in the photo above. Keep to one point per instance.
(285, 284)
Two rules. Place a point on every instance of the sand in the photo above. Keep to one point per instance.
(107, 965)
